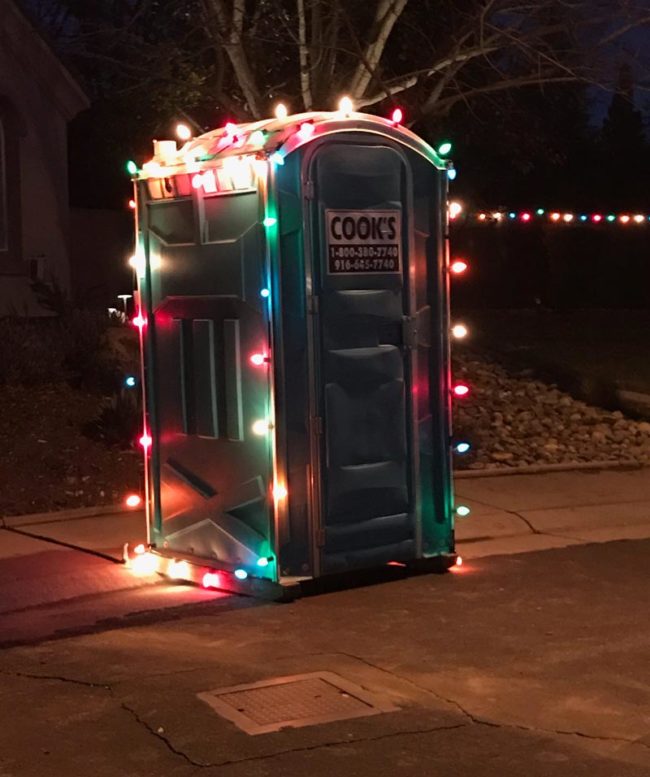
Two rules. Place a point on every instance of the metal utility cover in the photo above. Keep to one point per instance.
(293, 701)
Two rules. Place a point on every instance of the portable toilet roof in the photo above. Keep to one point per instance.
(274, 139)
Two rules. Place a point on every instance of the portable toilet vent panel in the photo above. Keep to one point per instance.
(293, 291)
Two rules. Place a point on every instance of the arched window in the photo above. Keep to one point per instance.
(10, 194)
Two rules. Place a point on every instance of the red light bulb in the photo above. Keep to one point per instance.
(140, 321)
(525, 216)
(258, 359)
(458, 266)
(596, 217)
(210, 580)
(460, 390)
(397, 116)
(145, 441)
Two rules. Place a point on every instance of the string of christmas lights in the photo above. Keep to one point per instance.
(174, 173)
(557, 217)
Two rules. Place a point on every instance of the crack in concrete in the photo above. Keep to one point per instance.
(338, 743)
(544, 533)
(526, 522)
(160, 737)
(72, 681)
(288, 751)
(491, 723)
(123, 705)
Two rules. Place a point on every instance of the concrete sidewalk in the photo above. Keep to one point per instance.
(53, 561)
(510, 514)
(521, 513)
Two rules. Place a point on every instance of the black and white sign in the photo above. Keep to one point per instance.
(364, 241)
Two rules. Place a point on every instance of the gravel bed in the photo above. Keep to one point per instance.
(512, 420)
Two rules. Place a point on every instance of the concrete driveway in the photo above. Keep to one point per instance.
(531, 664)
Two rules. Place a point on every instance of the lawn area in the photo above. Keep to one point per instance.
(591, 353)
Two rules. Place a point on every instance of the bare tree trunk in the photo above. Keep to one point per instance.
(387, 13)
(230, 33)
(305, 71)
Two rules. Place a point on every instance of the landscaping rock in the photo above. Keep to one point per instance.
(513, 421)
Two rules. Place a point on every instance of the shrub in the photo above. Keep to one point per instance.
(119, 421)
(32, 352)
(72, 347)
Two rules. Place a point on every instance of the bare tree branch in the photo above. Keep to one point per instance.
(445, 105)
(387, 14)
(412, 79)
(230, 35)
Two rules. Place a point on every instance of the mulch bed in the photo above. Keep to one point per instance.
(47, 463)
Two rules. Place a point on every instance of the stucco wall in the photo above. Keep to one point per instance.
(43, 98)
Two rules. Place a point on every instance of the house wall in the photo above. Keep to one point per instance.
(39, 98)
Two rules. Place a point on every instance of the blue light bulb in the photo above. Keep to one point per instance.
(130, 381)
(265, 293)
(241, 574)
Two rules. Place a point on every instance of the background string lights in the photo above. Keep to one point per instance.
(542, 215)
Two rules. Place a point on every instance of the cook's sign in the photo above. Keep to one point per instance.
(363, 241)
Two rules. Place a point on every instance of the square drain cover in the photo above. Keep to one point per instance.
(294, 701)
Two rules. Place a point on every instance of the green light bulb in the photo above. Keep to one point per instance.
(540, 211)
(444, 148)
(131, 167)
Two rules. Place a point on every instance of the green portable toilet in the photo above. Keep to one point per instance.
(293, 293)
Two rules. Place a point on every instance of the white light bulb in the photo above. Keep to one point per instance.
(455, 208)
(260, 427)
(459, 331)
(345, 105)
(137, 262)
(183, 132)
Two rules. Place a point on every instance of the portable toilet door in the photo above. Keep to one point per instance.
(297, 368)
